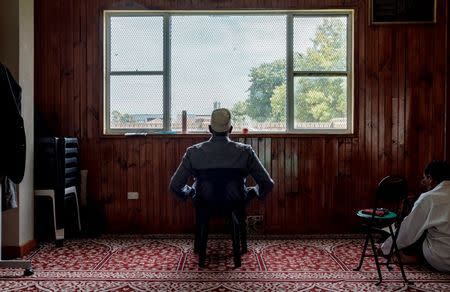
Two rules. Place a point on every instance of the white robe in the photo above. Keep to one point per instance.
(431, 213)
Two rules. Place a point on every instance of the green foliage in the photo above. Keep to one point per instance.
(239, 112)
(319, 99)
(127, 118)
(329, 48)
(278, 104)
(117, 118)
(264, 78)
(316, 99)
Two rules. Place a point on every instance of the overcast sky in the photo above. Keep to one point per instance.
(211, 58)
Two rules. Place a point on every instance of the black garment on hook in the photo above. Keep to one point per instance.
(12, 132)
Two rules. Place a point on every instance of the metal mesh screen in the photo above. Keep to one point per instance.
(136, 102)
(136, 43)
(237, 61)
(320, 43)
(320, 102)
(320, 60)
(232, 61)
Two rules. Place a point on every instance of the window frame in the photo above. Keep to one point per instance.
(290, 72)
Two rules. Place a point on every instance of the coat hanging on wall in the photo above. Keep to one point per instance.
(12, 141)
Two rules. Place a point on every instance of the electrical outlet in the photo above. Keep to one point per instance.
(133, 195)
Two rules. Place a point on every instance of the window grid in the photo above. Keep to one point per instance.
(290, 72)
(325, 73)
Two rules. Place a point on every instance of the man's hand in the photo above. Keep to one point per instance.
(192, 193)
(251, 193)
(188, 192)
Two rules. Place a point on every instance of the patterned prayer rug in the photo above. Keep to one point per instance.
(167, 263)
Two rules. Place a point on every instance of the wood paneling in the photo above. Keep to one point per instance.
(401, 86)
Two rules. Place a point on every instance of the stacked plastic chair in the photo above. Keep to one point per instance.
(57, 184)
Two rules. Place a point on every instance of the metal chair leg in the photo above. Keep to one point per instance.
(236, 241)
(78, 212)
(197, 236)
(203, 238)
(375, 256)
(391, 251)
(243, 232)
(395, 249)
(363, 255)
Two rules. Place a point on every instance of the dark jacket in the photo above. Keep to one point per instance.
(12, 142)
(208, 161)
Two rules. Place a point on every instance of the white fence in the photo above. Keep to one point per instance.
(202, 125)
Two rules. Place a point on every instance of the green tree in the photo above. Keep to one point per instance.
(278, 104)
(316, 99)
(319, 99)
(127, 118)
(117, 118)
(328, 49)
(264, 79)
(239, 112)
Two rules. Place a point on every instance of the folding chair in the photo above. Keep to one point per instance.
(393, 191)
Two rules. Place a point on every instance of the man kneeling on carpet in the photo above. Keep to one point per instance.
(220, 153)
(425, 233)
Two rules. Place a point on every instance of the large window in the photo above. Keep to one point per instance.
(276, 71)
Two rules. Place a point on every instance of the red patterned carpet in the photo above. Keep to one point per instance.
(162, 263)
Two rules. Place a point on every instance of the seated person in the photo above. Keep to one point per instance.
(425, 233)
(220, 152)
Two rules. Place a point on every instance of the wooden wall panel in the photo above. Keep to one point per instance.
(401, 91)
(446, 67)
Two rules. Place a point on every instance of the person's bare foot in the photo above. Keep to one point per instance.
(406, 259)
(380, 252)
